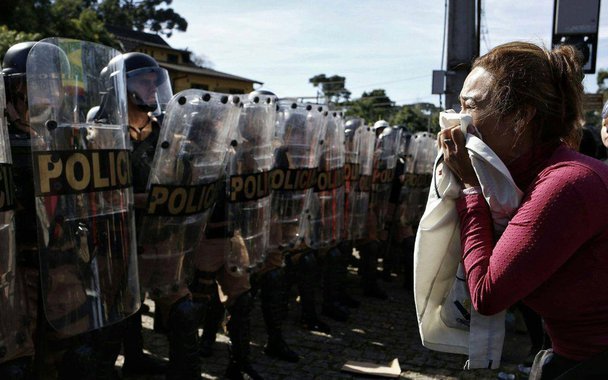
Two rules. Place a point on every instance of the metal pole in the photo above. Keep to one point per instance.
(462, 47)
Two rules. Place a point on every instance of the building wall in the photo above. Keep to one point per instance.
(182, 81)
(163, 55)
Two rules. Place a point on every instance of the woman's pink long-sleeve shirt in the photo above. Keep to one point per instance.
(553, 255)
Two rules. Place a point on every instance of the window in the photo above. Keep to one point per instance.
(172, 58)
(199, 86)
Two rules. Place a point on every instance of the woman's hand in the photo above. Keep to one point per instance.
(452, 142)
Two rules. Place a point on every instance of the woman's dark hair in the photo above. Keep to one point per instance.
(529, 78)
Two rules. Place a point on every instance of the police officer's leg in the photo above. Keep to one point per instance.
(306, 275)
(102, 346)
(346, 252)
(333, 273)
(19, 365)
(368, 270)
(274, 300)
(239, 303)
(136, 361)
(212, 319)
(79, 360)
(107, 342)
(182, 326)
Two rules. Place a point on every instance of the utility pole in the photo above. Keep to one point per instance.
(462, 46)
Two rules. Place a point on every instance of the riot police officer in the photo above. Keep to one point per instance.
(147, 88)
(78, 250)
(16, 364)
(235, 235)
(370, 248)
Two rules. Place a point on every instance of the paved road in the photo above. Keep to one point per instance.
(379, 331)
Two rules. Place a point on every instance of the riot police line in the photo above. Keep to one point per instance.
(276, 177)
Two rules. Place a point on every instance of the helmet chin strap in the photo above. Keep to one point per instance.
(139, 102)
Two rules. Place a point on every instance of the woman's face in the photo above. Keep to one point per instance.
(604, 132)
(475, 99)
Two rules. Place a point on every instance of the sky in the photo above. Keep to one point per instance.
(375, 44)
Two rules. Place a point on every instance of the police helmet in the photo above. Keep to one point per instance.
(352, 124)
(380, 124)
(146, 93)
(14, 68)
(16, 58)
(255, 93)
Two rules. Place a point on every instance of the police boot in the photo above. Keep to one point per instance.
(306, 274)
(345, 250)
(107, 342)
(333, 271)
(369, 272)
(184, 361)
(136, 361)
(239, 332)
(92, 355)
(212, 319)
(274, 309)
(388, 260)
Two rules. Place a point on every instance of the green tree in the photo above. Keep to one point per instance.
(418, 117)
(333, 88)
(79, 20)
(142, 15)
(9, 38)
(602, 75)
(86, 19)
(372, 106)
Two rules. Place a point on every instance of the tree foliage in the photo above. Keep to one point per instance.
(9, 38)
(86, 19)
(333, 88)
(602, 75)
(418, 117)
(376, 105)
(142, 15)
(372, 106)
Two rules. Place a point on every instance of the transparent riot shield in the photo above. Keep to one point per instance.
(353, 130)
(419, 156)
(385, 162)
(325, 219)
(9, 302)
(298, 133)
(361, 189)
(82, 185)
(184, 183)
(249, 183)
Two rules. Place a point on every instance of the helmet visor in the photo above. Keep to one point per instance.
(149, 88)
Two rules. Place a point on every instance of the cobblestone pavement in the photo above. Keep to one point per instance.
(378, 331)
